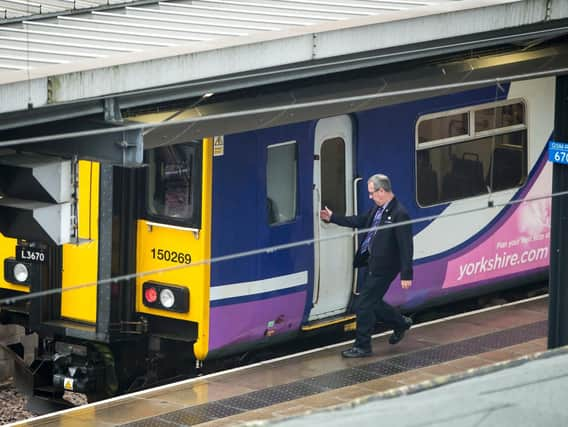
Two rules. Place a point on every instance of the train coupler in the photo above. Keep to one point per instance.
(84, 369)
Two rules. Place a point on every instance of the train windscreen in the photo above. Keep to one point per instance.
(174, 183)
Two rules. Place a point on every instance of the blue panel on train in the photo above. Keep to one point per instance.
(385, 143)
(240, 215)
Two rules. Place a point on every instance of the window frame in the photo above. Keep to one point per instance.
(323, 178)
(194, 223)
(471, 136)
(450, 139)
(296, 199)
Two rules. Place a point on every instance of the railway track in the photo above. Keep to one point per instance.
(12, 404)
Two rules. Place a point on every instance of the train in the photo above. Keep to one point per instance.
(214, 245)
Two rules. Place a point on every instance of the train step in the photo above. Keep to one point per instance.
(347, 319)
(44, 404)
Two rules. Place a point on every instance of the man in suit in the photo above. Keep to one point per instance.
(386, 252)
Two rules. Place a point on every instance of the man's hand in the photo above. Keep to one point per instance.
(325, 214)
(406, 284)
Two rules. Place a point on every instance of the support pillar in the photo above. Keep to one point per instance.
(558, 278)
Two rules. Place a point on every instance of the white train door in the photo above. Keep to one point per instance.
(333, 177)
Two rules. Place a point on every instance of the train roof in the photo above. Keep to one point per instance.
(63, 58)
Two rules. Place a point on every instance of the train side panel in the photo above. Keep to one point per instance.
(462, 252)
(507, 242)
(264, 294)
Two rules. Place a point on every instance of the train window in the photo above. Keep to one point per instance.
(332, 161)
(174, 178)
(443, 127)
(492, 157)
(499, 117)
(509, 167)
(281, 182)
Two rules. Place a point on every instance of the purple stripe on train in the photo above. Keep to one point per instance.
(253, 320)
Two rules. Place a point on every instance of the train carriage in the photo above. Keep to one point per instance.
(214, 246)
(446, 155)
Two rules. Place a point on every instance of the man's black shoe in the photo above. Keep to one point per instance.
(356, 352)
(398, 334)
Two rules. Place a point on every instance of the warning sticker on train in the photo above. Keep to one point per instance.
(218, 146)
(68, 384)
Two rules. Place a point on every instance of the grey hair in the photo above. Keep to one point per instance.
(381, 181)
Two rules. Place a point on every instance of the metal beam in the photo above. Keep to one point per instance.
(208, 60)
(223, 84)
(558, 283)
(125, 147)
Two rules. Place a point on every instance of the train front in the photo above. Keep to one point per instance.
(105, 264)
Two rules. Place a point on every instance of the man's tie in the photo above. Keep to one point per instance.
(371, 233)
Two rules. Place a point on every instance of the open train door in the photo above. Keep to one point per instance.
(333, 187)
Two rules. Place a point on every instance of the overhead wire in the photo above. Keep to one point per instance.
(274, 248)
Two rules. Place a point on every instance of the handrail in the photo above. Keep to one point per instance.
(355, 240)
(315, 296)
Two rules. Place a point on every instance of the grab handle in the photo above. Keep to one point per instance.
(355, 239)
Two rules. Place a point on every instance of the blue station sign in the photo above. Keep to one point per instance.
(558, 152)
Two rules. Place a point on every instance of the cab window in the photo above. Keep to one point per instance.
(174, 184)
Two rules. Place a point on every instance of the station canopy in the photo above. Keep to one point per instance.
(60, 58)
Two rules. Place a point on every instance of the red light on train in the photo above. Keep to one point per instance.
(150, 295)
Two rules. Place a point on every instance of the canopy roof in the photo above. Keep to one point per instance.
(73, 56)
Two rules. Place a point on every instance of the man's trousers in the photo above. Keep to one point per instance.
(371, 308)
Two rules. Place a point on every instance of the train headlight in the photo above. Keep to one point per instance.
(20, 272)
(167, 298)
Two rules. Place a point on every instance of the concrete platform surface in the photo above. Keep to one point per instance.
(432, 353)
(530, 391)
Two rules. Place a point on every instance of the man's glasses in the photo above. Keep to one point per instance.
(373, 192)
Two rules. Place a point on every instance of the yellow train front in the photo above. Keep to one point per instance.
(76, 234)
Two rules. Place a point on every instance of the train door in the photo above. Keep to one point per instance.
(80, 259)
(333, 175)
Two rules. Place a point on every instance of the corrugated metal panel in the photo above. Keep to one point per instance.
(219, 45)
(24, 8)
(32, 43)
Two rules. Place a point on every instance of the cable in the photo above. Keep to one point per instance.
(272, 249)
(289, 107)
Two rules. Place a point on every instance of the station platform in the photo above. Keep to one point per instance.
(450, 351)
(529, 391)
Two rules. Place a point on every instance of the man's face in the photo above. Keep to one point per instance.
(378, 196)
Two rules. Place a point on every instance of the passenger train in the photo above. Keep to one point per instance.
(176, 226)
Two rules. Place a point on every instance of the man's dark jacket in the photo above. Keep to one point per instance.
(392, 248)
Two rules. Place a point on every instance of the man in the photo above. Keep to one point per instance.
(386, 252)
